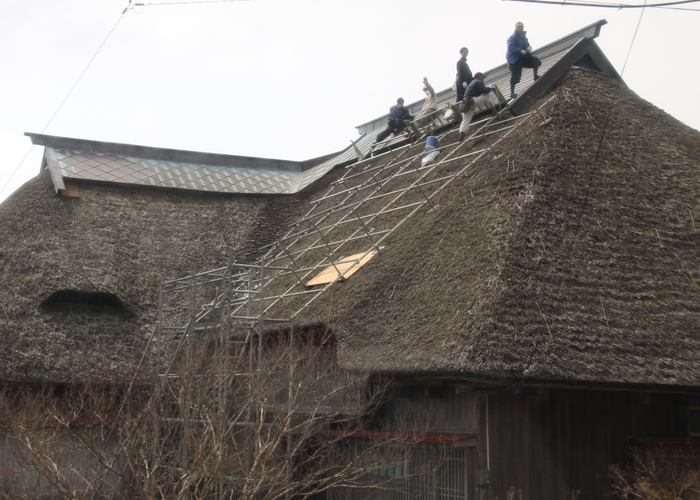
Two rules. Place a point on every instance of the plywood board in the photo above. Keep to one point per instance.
(71, 191)
(347, 266)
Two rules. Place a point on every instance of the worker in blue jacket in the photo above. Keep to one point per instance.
(519, 56)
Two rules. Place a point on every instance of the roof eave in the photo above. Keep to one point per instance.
(490, 381)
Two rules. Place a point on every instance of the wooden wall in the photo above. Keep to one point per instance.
(433, 409)
(549, 443)
(546, 442)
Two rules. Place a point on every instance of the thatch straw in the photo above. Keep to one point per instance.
(112, 240)
(572, 257)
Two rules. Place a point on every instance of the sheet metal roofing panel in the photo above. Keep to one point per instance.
(363, 144)
(499, 77)
(79, 159)
(79, 165)
(90, 166)
(549, 54)
(350, 155)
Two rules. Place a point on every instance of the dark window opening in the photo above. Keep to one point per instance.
(73, 300)
(694, 421)
(59, 391)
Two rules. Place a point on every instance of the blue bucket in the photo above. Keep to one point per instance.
(431, 142)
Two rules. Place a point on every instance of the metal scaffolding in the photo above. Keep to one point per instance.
(233, 306)
(355, 217)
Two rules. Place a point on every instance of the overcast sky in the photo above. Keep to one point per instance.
(284, 78)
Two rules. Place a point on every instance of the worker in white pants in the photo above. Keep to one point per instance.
(477, 94)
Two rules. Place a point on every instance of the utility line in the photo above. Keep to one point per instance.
(186, 2)
(66, 97)
(634, 37)
(130, 6)
(84, 70)
(605, 5)
(540, 345)
(603, 135)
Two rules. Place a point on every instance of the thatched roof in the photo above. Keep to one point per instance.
(111, 242)
(572, 257)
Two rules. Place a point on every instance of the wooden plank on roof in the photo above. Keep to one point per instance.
(71, 190)
(345, 267)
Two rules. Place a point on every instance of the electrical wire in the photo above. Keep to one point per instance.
(9, 179)
(541, 345)
(84, 71)
(186, 2)
(634, 37)
(603, 135)
(618, 6)
(130, 6)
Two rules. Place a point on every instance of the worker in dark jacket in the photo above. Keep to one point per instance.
(464, 74)
(477, 94)
(519, 56)
(398, 116)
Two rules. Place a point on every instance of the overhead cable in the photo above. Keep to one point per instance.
(541, 345)
(84, 70)
(603, 134)
(186, 2)
(67, 96)
(581, 3)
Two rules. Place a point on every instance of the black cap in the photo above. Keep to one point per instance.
(478, 74)
(463, 49)
(399, 100)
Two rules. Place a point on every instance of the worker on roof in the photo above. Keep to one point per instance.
(464, 74)
(430, 104)
(398, 116)
(519, 56)
(477, 94)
